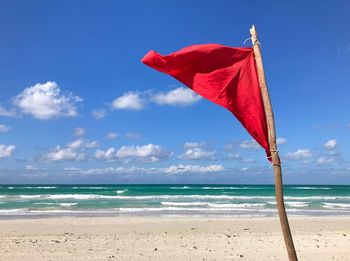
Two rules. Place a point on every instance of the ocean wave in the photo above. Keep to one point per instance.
(148, 197)
(241, 205)
(76, 196)
(40, 187)
(184, 187)
(297, 204)
(336, 205)
(44, 203)
(58, 204)
(89, 187)
(220, 188)
(30, 196)
(121, 191)
(13, 210)
(166, 203)
(68, 204)
(214, 205)
(234, 188)
(310, 188)
(172, 210)
(177, 197)
(317, 198)
(183, 209)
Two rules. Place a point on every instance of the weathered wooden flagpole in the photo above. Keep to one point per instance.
(273, 148)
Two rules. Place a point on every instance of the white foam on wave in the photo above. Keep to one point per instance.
(73, 196)
(318, 198)
(182, 209)
(215, 205)
(336, 205)
(311, 188)
(297, 204)
(40, 187)
(44, 203)
(11, 211)
(239, 205)
(264, 199)
(121, 191)
(184, 187)
(166, 203)
(67, 204)
(234, 188)
(88, 187)
(29, 196)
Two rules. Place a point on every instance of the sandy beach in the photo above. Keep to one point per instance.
(171, 238)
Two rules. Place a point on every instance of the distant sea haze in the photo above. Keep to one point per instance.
(170, 200)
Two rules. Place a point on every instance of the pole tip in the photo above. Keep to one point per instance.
(253, 31)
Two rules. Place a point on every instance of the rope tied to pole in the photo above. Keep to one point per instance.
(256, 42)
(273, 153)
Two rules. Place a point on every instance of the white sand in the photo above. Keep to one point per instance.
(162, 238)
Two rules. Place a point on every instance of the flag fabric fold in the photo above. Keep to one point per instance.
(224, 75)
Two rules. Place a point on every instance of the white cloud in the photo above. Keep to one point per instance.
(238, 156)
(132, 135)
(145, 153)
(243, 169)
(331, 144)
(234, 155)
(249, 144)
(196, 151)
(192, 145)
(71, 169)
(281, 141)
(6, 151)
(4, 128)
(177, 97)
(112, 170)
(129, 101)
(192, 169)
(197, 154)
(325, 160)
(30, 167)
(299, 154)
(112, 135)
(99, 114)
(81, 143)
(108, 154)
(64, 154)
(149, 153)
(45, 101)
(171, 170)
(6, 113)
(79, 131)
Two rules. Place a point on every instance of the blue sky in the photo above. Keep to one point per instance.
(78, 106)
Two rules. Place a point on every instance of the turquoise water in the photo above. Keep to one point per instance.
(170, 200)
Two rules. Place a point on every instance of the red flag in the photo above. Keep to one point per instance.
(224, 75)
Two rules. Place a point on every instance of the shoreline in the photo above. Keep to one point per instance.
(172, 238)
(165, 216)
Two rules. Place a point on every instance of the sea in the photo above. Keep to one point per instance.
(170, 200)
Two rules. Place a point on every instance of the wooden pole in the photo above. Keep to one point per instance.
(273, 147)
